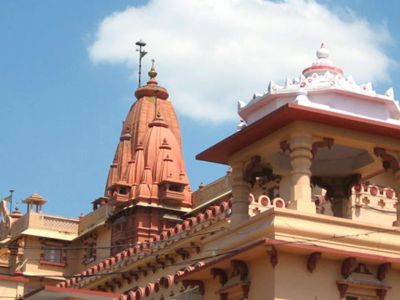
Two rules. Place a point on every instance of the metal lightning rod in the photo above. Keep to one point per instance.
(142, 53)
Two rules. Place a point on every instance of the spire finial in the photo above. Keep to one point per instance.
(152, 73)
(322, 52)
(322, 64)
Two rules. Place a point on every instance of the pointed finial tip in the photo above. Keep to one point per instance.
(322, 52)
(152, 73)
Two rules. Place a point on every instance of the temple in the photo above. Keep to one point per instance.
(308, 208)
(147, 184)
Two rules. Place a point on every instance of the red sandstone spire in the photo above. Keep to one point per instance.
(148, 162)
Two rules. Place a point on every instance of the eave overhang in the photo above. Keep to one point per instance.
(55, 293)
(222, 151)
(260, 248)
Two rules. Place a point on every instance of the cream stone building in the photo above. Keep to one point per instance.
(307, 209)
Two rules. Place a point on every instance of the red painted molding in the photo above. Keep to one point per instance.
(14, 278)
(323, 67)
(51, 263)
(342, 253)
(73, 291)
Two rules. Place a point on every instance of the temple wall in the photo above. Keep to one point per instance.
(262, 277)
(33, 265)
(294, 281)
(11, 289)
(210, 286)
(103, 240)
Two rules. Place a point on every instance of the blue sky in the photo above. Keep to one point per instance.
(63, 105)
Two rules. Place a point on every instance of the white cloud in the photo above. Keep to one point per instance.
(209, 54)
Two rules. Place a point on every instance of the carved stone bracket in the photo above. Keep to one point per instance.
(255, 169)
(326, 142)
(100, 288)
(170, 259)
(128, 279)
(312, 261)
(109, 286)
(117, 282)
(246, 290)
(223, 296)
(273, 256)
(342, 287)
(221, 274)
(160, 262)
(184, 254)
(237, 285)
(388, 160)
(195, 247)
(239, 268)
(140, 269)
(134, 275)
(194, 283)
(383, 269)
(348, 266)
(152, 267)
(381, 294)
(285, 146)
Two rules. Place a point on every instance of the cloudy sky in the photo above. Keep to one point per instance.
(68, 72)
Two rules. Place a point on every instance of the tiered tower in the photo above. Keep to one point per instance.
(147, 184)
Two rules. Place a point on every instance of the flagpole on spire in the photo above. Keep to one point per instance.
(142, 53)
(11, 198)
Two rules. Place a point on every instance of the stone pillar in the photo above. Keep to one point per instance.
(300, 159)
(338, 191)
(240, 192)
(397, 178)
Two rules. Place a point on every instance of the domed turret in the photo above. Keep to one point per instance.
(150, 142)
(164, 158)
(323, 64)
(147, 178)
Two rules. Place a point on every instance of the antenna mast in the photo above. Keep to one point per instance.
(11, 199)
(142, 53)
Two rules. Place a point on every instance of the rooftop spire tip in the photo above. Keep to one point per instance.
(152, 73)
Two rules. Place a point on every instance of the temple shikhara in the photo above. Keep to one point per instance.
(307, 209)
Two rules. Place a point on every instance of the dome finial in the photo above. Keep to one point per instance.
(322, 64)
(152, 73)
(322, 52)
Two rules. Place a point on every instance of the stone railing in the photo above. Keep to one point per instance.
(372, 196)
(4, 230)
(95, 217)
(19, 225)
(60, 224)
(263, 202)
(211, 191)
(35, 220)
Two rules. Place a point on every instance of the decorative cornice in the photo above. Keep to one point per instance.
(141, 251)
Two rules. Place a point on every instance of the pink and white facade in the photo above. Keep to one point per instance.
(307, 210)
